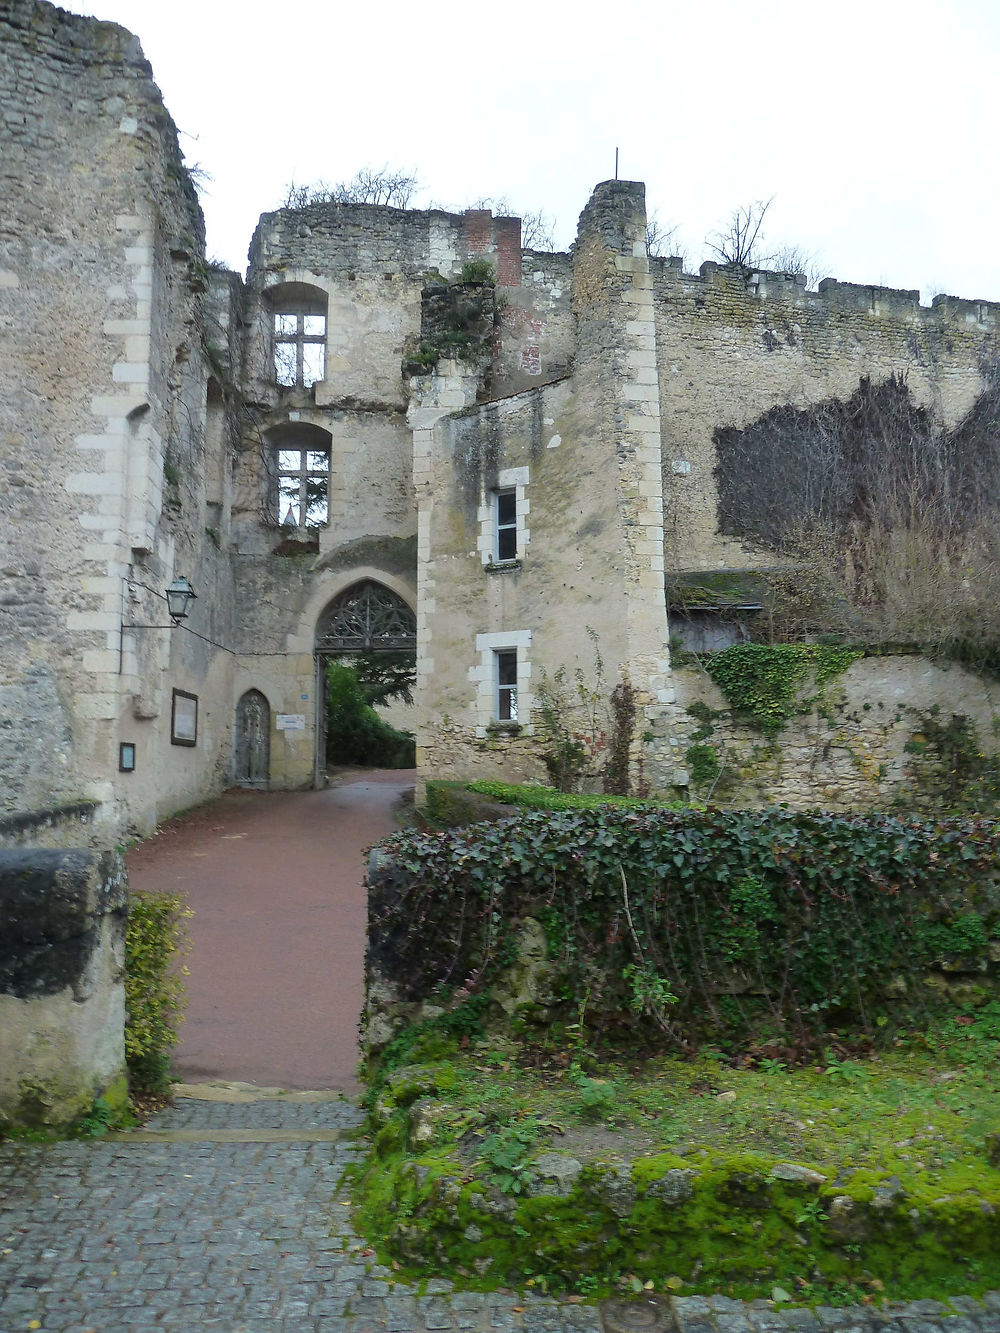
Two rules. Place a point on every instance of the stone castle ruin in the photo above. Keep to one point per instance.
(402, 431)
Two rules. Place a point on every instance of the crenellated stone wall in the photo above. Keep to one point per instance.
(733, 343)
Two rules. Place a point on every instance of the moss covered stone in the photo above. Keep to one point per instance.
(733, 1219)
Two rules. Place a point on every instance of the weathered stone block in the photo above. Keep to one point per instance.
(62, 1005)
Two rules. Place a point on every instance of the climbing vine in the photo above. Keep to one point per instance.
(763, 682)
(949, 766)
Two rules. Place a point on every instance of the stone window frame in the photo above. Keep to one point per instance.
(298, 322)
(485, 677)
(510, 481)
(304, 439)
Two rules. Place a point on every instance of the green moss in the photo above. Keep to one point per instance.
(902, 1194)
(703, 764)
(739, 1226)
(57, 1108)
(115, 1095)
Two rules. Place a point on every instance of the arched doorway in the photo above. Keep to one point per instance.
(252, 757)
(372, 628)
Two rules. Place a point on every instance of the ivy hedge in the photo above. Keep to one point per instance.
(698, 925)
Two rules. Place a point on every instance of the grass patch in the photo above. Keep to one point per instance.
(853, 1178)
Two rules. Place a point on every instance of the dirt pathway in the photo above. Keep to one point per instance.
(278, 936)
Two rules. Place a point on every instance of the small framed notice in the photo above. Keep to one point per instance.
(290, 722)
(184, 719)
(126, 757)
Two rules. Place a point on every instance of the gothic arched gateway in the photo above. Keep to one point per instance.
(365, 619)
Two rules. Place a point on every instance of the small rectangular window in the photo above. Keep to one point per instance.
(506, 525)
(506, 673)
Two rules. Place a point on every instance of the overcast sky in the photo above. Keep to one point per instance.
(872, 123)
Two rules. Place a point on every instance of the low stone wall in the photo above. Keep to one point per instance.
(60, 826)
(62, 997)
(888, 729)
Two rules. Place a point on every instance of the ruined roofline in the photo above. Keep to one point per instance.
(334, 218)
(332, 208)
(90, 40)
(106, 50)
(474, 409)
(604, 214)
(777, 284)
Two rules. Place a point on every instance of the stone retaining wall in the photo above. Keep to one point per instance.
(62, 995)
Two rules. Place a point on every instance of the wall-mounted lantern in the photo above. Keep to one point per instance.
(180, 595)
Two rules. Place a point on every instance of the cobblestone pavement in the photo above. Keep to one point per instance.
(180, 1227)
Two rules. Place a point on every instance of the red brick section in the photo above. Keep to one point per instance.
(275, 880)
(478, 231)
(508, 252)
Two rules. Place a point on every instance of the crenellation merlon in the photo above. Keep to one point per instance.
(970, 312)
(789, 288)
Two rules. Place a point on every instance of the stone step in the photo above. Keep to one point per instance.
(226, 1136)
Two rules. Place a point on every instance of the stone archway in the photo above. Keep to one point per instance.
(252, 751)
(365, 619)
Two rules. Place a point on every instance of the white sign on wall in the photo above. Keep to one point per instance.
(290, 721)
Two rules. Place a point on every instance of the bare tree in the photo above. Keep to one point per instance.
(796, 259)
(886, 525)
(739, 243)
(661, 240)
(387, 187)
(536, 225)
(536, 229)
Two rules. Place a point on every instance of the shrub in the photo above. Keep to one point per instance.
(155, 943)
(355, 732)
(477, 270)
(773, 919)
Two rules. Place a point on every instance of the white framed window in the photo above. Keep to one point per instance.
(506, 525)
(502, 678)
(505, 667)
(503, 514)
